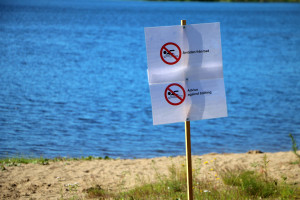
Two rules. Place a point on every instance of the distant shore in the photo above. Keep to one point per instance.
(62, 179)
(246, 1)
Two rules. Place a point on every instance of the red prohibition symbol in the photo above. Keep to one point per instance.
(169, 52)
(173, 94)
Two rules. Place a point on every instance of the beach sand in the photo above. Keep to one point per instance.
(64, 179)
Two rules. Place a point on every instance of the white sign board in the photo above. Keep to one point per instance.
(185, 72)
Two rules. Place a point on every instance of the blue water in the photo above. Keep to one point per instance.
(73, 78)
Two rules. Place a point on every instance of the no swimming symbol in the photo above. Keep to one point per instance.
(175, 94)
(170, 53)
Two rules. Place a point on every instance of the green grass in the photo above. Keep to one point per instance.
(23, 160)
(255, 185)
(96, 191)
(235, 184)
(295, 162)
(294, 146)
(17, 161)
(247, 185)
(252, 184)
(295, 150)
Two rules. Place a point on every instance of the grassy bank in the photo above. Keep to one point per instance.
(252, 175)
(236, 182)
(230, 183)
(18, 160)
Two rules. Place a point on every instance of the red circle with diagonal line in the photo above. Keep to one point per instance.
(169, 52)
(172, 93)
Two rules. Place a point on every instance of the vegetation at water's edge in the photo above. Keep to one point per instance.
(229, 183)
(16, 161)
(235, 183)
(295, 149)
(234, 0)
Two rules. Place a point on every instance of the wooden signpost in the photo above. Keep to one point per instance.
(185, 74)
(188, 152)
(188, 160)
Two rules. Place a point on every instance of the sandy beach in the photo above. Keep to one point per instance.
(64, 179)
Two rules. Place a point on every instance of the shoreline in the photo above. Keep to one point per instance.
(107, 157)
(231, 1)
(54, 179)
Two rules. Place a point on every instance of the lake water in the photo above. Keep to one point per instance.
(73, 79)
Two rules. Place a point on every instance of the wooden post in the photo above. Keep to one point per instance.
(188, 160)
(188, 152)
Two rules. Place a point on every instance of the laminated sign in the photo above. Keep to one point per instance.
(185, 72)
